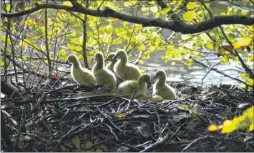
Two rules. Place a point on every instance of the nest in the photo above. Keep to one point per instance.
(56, 117)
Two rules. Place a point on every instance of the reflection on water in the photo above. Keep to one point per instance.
(194, 75)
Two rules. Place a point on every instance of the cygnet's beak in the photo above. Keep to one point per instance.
(67, 62)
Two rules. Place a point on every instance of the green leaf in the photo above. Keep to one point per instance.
(165, 10)
(141, 48)
(130, 3)
(62, 53)
(8, 7)
(209, 46)
(24, 58)
(192, 5)
(109, 29)
(244, 12)
(2, 62)
(189, 63)
(67, 3)
(224, 59)
(154, 9)
(189, 16)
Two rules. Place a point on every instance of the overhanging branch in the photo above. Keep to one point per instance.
(181, 26)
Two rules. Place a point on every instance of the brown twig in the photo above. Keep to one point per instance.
(46, 40)
(22, 125)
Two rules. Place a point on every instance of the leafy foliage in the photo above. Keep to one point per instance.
(245, 121)
(65, 33)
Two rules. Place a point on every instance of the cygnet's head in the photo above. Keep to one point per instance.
(72, 59)
(159, 74)
(121, 54)
(98, 57)
(110, 57)
(146, 78)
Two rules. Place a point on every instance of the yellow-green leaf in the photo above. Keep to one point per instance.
(224, 59)
(78, 48)
(24, 58)
(165, 10)
(119, 115)
(189, 62)
(2, 63)
(189, 16)
(130, 3)
(67, 3)
(244, 12)
(24, 43)
(62, 53)
(192, 5)
(109, 29)
(236, 59)
(251, 128)
(141, 48)
(8, 7)
(209, 46)
(154, 9)
(243, 42)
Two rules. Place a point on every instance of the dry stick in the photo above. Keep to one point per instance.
(159, 140)
(164, 139)
(216, 70)
(25, 70)
(85, 37)
(13, 54)
(46, 39)
(41, 99)
(112, 131)
(72, 132)
(194, 142)
(113, 124)
(209, 72)
(5, 50)
(5, 135)
(132, 97)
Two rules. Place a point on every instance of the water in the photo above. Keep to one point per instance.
(194, 75)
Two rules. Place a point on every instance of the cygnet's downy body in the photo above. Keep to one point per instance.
(103, 76)
(123, 69)
(162, 89)
(79, 74)
(138, 87)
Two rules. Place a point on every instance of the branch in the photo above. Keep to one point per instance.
(216, 70)
(179, 26)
